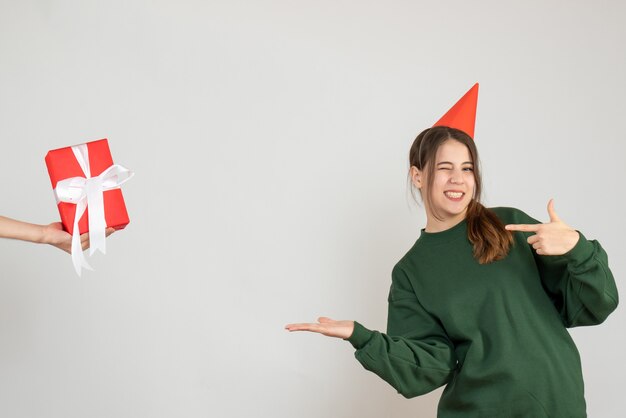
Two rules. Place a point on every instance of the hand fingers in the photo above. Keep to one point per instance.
(304, 327)
(107, 232)
(84, 238)
(535, 242)
(532, 239)
(553, 216)
(309, 326)
(522, 227)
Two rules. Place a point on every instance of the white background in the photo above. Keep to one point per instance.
(270, 142)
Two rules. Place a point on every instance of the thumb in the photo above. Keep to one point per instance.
(323, 319)
(553, 216)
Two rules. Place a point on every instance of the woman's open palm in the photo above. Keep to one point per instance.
(326, 326)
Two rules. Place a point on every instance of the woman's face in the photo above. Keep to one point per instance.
(452, 188)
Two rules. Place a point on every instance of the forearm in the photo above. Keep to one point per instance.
(14, 229)
(413, 368)
(591, 282)
(580, 283)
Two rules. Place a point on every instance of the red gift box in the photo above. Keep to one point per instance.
(62, 164)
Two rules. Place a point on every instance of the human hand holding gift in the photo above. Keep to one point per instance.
(52, 234)
(86, 185)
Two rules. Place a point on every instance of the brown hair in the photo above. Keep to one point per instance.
(484, 229)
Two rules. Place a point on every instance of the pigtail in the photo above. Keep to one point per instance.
(487, 234)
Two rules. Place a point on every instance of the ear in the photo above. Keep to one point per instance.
(416, 177)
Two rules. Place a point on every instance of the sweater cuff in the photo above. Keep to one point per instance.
(581, 251)
(360, 336)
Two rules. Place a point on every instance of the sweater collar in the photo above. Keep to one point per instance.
(457, 231)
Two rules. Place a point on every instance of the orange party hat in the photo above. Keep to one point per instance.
(463, 114)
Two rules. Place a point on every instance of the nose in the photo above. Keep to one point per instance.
(456, 177)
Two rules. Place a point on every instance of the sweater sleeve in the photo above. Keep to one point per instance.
(579, 282)
(415, 356)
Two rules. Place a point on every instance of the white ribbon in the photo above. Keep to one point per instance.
(88, 192)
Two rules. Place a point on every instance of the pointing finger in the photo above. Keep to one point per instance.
(522, 227)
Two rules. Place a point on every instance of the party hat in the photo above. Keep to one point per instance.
(463, 114)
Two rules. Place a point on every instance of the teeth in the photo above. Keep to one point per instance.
(454, 195)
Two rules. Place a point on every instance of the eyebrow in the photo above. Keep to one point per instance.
(448, 162)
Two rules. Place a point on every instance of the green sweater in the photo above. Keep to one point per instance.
(495, 334)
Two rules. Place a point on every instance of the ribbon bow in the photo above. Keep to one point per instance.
(88, 192)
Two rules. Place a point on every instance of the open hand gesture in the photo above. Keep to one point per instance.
(552, 238)
(326, 326)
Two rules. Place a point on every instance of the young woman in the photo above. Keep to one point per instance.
(52, 234)
(482, 300)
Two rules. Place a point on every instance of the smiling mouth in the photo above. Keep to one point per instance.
(454, 195)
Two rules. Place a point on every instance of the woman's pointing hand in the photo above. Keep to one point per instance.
(552, 238)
